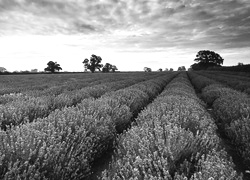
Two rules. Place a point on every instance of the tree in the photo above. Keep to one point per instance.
(107, 67)
(114, 68)
(182, 68)
(171, 69)
(34, 70)
(52, 67)
(160, 70)
(206, 56)
(2, 69)
(93, 63)
(206, 59)
(146, 69)
(166, 69)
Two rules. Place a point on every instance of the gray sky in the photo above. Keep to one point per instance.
(131, 34)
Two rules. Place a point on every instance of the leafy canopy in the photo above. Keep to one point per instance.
(52, 67)
(147, 69)
(2, 69)
(182, 68)
(109, 67)
(93, 63)
(209, 57)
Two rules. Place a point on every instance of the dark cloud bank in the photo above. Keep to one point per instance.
(215, 24)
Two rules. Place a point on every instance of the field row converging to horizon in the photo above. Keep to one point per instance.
(161, 125)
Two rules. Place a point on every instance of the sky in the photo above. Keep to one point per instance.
(131, 34)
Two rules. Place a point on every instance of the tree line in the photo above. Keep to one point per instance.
(147, 69)
(206, 60)
(92, 64)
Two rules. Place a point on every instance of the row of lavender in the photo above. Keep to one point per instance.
(241, 83)
(19, 108)
(42, 84)
(233, 73)
(231, 109)
(65, 144)
(173, 138)
(39, 82)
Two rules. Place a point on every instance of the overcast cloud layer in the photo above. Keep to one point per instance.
(134, 25)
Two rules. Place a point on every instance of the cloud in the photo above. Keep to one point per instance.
(133, 25)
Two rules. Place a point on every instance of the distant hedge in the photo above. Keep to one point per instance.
(239, 68)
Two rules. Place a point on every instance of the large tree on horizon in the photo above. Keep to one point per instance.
(52, 67)
(209, 57)
(206, 59)
(93, 63)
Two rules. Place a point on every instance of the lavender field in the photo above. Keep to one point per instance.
(157, 125)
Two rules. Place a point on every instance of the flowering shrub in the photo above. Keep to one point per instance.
(199, 81)
(174, 138)
(52, 85)
(134, 99)
(64, 144)
(11, 97)
(239, 133)
(215, 165)
(23, 110)
(29, 108)
(151, 88)
(228, 108)
(212, 92)
(240, 83)
(232, 112)
(61, 146)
